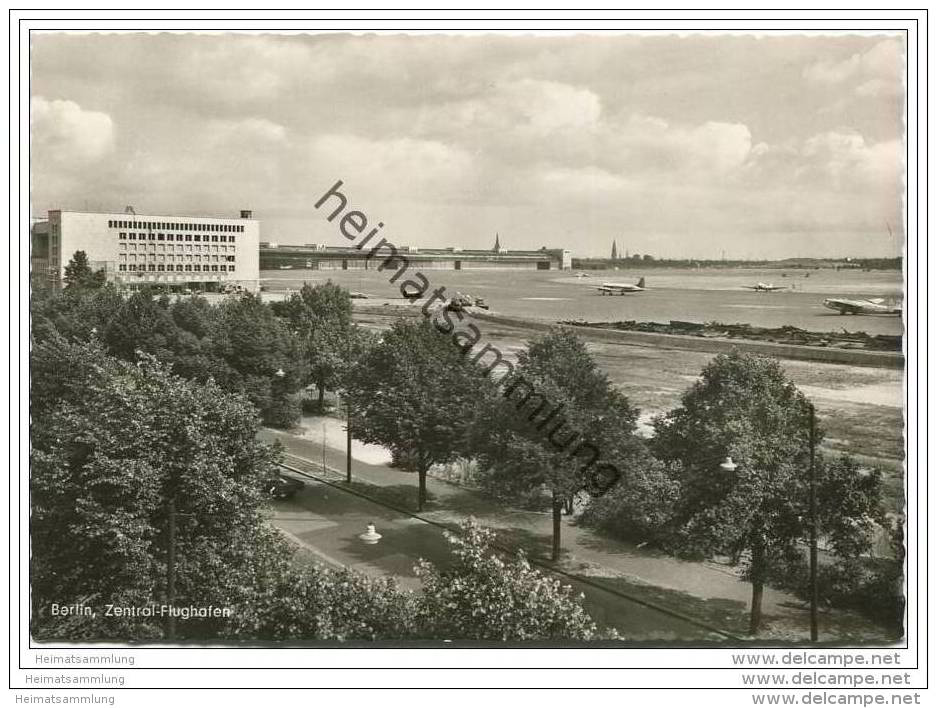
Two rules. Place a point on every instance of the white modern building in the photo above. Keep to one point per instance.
(135, 249)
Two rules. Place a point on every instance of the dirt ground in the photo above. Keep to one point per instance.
(860, 409)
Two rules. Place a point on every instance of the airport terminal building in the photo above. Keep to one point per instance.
(195, 252)
(321, 257)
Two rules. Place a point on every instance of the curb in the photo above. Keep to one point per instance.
(535, 562)
(717, 345)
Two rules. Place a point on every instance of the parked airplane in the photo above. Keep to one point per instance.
(765, 287)
(459, 302)
(620, 288)
(872, 306)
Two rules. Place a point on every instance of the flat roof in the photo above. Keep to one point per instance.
(150, 216)
(340, 251)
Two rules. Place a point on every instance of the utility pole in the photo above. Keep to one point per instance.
(348, 447)
(171, 570)
(814, 589)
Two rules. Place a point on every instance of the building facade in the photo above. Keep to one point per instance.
(319, 257)
(137, 249)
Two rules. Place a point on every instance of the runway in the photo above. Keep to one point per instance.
(715, 295)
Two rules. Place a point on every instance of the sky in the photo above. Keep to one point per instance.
(676, 146)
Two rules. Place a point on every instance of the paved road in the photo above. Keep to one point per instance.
(711, 295)
(327, 520)
(707, 592)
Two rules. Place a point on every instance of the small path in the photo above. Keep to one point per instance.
(708, 591)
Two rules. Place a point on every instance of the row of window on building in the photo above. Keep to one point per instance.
(162, 258)
(173, 248)
(123, 236)
(170, 226)
(160, 268)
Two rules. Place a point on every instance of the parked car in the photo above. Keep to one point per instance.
(281, 487)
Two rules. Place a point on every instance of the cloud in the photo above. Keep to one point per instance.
(884, 59)
(875, 87)
(875, 72)
(650, 144)
(63, 132)
(833, 164)
(524, 123)
(545, 106)
(520, 112)
(833, 72)
(399, 167)
(251, 131)
(847, 158)
(446, 138)
(586, 181)
(240, 72)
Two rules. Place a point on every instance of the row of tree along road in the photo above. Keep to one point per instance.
(145, 409)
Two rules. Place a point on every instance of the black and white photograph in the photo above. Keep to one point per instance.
(436, 338)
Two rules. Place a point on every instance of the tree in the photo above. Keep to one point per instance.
(194, 354)
(744, 406)
(482, 597)
(640, 507)
(78, 273)
(871, 583)
(119, 451)
(289, 601)
(414, 393)
(75, 313)
(556, 417)
(477, 596)
(263, 359)
(124, 451)
(194, 314)
(143, 323)
(321, 316)
(240, 343)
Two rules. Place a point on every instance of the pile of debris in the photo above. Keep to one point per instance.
(777, 335)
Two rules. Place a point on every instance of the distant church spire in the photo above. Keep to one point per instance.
(614, 250)
(497, 248)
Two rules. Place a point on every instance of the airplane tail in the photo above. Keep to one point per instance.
(641, 283)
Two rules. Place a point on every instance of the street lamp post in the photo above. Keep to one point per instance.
(814, 587)
(757, 560)
(171, 569)
(348, 440)
(730, 466)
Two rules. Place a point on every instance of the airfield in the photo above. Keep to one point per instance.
(861, 408)
(716, 295)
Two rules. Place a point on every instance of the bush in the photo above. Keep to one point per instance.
(461, 471)
(639, 508)
(285, 602)
(281, 412)
(309, 403)
(874, 587)
(482, 597)
(514, 492)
